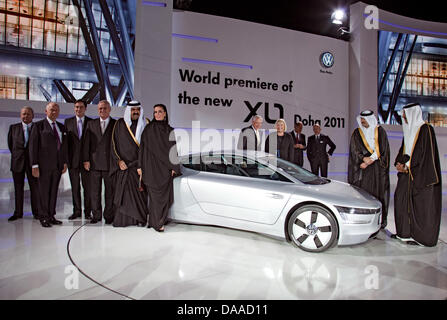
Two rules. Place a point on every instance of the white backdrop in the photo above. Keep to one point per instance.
(275, 55)
(290, 60)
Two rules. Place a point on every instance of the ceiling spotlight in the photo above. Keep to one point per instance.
(338, 16)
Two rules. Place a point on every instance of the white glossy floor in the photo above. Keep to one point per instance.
(198, 262)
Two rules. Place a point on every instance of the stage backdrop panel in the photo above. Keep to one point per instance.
(226, 70)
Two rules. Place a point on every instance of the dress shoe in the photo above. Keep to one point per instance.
(94, 220)
(74, 216)
(45, 223)
(87, 217)
(108, 221)
(54, 221)
(14, 218)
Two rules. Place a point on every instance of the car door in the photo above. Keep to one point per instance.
(229, 187)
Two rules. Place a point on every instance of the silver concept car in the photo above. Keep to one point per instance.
(258, 192)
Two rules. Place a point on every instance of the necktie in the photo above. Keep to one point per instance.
(57, 136)
(103, 126)
(79, 128)
(296, 138)
(26, 135)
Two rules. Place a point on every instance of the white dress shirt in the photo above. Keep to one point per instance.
(106, 121)
(57, 128)
(58, 132)
(257, 137)
(82, 121)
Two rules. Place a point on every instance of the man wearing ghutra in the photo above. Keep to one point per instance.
(130, 202)
(369, 160)
(418, 195)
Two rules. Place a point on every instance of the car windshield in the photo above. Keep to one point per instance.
(295, 171)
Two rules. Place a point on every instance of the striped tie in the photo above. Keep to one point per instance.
(56, 134)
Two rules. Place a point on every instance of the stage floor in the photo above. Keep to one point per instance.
(200, 262)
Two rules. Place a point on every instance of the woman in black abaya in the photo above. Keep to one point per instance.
(158, 161)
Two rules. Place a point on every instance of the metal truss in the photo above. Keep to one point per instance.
(404, 63)
(123, 47)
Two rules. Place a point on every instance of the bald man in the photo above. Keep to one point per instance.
(49, 158)
(317, 151)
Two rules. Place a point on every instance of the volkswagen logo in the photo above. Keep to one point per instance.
(327, 59)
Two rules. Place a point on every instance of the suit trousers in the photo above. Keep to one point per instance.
(96, 178)
(319, 165)
(48, 188)
(298, 159)
(76, 176)
(19, 185)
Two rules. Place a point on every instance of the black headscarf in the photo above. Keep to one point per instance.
(166, 110)
(154, 152)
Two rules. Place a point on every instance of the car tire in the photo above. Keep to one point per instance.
(312, 228)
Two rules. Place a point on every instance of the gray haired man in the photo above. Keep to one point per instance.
(250, 138)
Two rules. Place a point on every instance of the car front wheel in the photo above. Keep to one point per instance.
(312, 228)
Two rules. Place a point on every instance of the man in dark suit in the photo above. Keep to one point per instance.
(49, 158)
(299, 145)
(76, 127)
(18, 138)
(250, 137)
(316, 151)
(96, 158)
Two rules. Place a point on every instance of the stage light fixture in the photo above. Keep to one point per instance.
(338, 16)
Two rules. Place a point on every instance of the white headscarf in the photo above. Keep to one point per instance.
(413, 113)
(141, 123)
(369, 132)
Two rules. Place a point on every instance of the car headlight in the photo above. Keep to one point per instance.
(357, 215)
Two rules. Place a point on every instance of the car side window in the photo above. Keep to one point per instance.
(208, 163)
(232, 165)
(243, 166)
(213, 163)
(191, 162)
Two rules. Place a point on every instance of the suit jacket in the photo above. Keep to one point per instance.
(317, 151)
(16, 145)
(285, 148)
(96, 148)
(248, 140)
(298, 153)
(43, 147)
(74, 143)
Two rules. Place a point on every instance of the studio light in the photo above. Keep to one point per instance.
(338, 16)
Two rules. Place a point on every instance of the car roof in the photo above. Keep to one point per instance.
(236, 152)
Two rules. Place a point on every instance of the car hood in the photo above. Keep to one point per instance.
(339, 193)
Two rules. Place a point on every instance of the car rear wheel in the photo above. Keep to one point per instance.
(313, 228)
